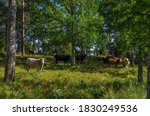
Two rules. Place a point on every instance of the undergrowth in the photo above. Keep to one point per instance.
(73, 82)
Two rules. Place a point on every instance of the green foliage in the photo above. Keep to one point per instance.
(130, 21)
(3, 20)
(60, 23)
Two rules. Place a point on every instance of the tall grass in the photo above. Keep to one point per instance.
(73, 82)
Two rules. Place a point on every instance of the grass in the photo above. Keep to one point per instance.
(73, 82)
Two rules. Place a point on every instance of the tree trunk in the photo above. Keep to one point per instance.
(73, 53)
(72, 30)
(33, 46)
(132, 57)
(140, 70)
(148, 67)
(22, 31)
(11, 44)
(6, 33)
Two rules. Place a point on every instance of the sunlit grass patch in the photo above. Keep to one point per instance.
(73, 82)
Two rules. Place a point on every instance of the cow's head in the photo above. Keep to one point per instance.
(42, 60)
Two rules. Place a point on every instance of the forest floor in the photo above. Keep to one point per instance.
(81, 81)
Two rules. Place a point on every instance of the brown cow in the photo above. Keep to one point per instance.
(113, 61)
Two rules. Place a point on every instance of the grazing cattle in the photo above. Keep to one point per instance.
(125, 62)
(105, 60)
(113, 61)
(35, 63)
(31, 52)
(80, 57)
(64, 58)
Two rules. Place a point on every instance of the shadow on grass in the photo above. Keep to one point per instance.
(92, 68)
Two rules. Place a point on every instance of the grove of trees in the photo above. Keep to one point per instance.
(72, 27)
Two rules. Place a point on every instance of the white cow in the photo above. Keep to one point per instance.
(125, 62)
(35, 63)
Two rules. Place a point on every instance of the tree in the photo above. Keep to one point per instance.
(21, 25)
(132, 16)
(11, 43)
(82, 24)
(63, 24)
(148, 66)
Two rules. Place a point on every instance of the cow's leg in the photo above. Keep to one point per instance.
(28, 68)
(42, 67)
(56, 62)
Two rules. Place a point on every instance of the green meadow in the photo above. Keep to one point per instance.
(81, 81)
